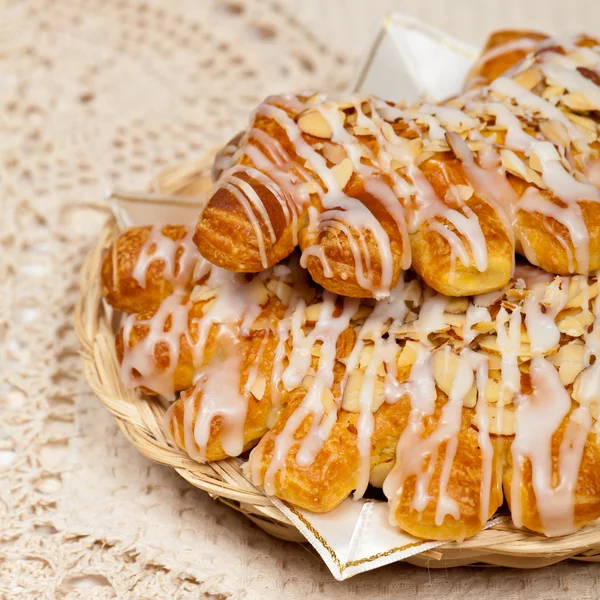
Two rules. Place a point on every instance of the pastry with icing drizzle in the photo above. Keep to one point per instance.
(367, 188)
(452, 404)
(502, 51)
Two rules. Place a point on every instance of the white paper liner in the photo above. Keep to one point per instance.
(408, 59)
(357, 536)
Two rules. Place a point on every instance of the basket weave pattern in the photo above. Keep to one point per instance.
(140, 418)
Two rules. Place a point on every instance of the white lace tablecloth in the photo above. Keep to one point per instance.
(101, 92)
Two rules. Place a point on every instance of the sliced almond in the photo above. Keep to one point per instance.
(484, 326)
(584, 388)
(465, 191)
(575, 325)
(493, 390)
(379, 473)
(476, 146)
(585, 122)
(312, 312)
(578, 102)
(351, 397)
(257, 389)
(416, 145)
(408, 355)
(555, 132)
(365, 356)
(202, 293)
(359, 130)
(312, 122)
(456, 321)
(580, 292)
(535, 162)
(494, 362)
(529, 78)
(514, 165)
(307, 382)
(260, 324)
(208, 306)
(342, 172)
(334, 153)
(375, 331)
(328, 400)
(445, 364)
(257, 292)
(457, 305)
(407, 331)
(422, 157)
(501, 420)
(435, 145)
(281, 289)
(489, 343)
(553, 91)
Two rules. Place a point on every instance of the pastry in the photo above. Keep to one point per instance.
(367, 188)
(502, 51)
(453, 404)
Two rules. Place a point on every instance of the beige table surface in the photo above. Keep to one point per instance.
(95, 93)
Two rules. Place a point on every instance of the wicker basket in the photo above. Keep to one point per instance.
(140, 419)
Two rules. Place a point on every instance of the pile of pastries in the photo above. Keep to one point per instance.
(390, 295)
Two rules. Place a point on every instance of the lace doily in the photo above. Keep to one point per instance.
(99, 93)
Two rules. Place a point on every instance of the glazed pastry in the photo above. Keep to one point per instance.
(512, 162)
(144, 265)
(442, 400)
(546, 119)
(347, 182)
(502, 51)
(451, 404)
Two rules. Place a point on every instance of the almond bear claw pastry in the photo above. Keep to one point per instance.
(454, 385)
(452, 404)
(367, 188)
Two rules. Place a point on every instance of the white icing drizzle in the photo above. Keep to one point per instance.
(573, 80)
(255, 369)
(522, 43)
(526, 99)
(327, 330)
(219, 386)
(140, 358)
(538, 417)
(483, 437)
(412, 448)
(340, 211)
(468, 226)
(159, 247)
(390, 172)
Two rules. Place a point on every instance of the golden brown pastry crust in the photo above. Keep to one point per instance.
(453, 397)
(586, 493)
(473, 177)
(120, 287)
(502, 51)
(464, 483)
(276, 413)
(257, 416)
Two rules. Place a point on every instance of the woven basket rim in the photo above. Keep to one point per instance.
(140, 419)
